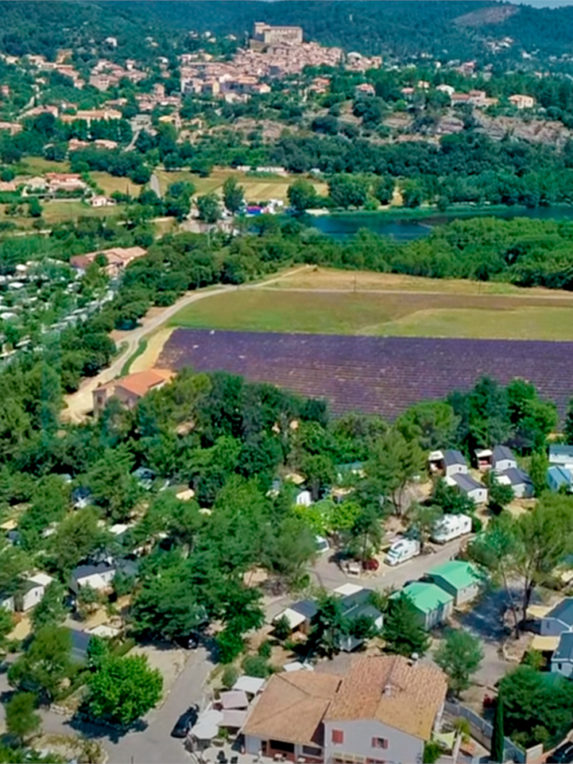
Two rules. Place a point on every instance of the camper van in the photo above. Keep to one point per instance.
(402, 550)
(450, 527)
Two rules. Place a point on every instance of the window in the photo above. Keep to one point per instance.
(310, 750)
(379, 742)
(337, 737)
(375, 761)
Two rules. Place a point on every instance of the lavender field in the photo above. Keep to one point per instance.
(382, 375)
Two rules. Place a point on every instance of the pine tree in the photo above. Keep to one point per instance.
(497, 736)
(403, 630)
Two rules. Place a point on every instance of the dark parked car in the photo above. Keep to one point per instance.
(562, 755)
(185, 722)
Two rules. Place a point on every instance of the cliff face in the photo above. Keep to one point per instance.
(536, 131)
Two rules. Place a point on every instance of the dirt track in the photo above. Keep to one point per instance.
(79, 404)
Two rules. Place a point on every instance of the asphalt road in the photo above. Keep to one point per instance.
(152, 744)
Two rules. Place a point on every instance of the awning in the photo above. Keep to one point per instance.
(544, 644)
(249, 684)
(234, 699)
(207, 726)
(294, 619)
(537, 611)
(347, 589)
(234, 718)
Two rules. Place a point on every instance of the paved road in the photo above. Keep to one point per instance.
(153, 743)
(80, 403)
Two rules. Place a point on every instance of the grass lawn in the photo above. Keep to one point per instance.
(256, 189)
(398, 313)
(56, 212)
(110, 183)
(39, 166)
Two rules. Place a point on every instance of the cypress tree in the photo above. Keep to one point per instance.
(497, 736)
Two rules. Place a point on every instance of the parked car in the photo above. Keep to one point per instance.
(562, 755)
(371, 564)
(185, 722)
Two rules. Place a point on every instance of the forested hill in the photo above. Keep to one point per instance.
(457, 28)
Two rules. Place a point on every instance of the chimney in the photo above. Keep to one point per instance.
(387, 690)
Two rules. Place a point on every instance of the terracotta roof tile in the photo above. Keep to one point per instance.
(142, 382)
(392, 690)
(292, 707)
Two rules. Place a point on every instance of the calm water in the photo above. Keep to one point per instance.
(345, 225)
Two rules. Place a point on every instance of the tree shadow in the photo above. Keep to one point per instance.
(96, 730)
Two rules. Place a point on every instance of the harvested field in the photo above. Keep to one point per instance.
(373, 374)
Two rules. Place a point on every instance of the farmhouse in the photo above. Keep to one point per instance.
(434, 604)
(117, 258)
(130, 389)
(460, 579)
(381, 708)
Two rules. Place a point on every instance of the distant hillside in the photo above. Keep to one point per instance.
(457, 28)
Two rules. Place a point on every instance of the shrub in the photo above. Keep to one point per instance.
(230, 676)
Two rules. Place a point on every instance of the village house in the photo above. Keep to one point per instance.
(562, 658)
(522, 101)
(382, 708)
(102, 201)
(557, 620)
(561, 456)
(117, 258)
(129, 390)
(64, 181)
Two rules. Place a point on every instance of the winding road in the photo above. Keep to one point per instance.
(79, 404)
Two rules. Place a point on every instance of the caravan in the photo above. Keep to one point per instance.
(450, 527)
(402, 550)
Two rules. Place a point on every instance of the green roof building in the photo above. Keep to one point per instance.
(434, 604)
(460, 579)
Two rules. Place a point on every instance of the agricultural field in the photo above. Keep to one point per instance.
(56, 212)
(382, 375)
(110, 183)
(384, 305)
(256, 189)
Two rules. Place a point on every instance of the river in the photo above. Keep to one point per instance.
(343, 225)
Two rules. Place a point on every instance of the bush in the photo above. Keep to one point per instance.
(265, 649)
(256, 665)
(282, 628)
(230, 676)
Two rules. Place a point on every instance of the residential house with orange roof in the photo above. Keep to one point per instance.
(383, 708)
(129, 390)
